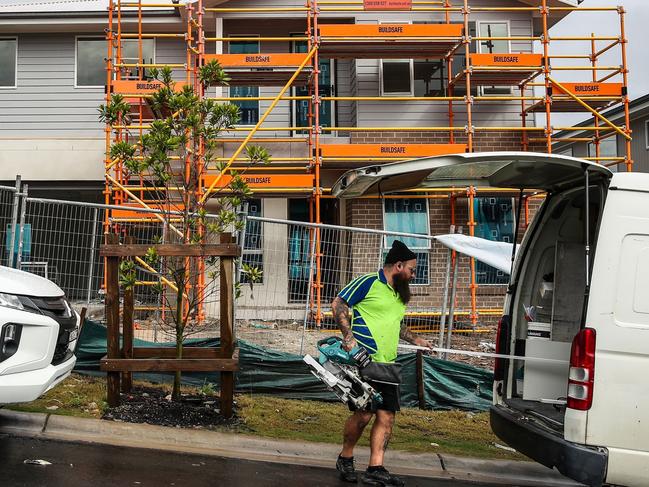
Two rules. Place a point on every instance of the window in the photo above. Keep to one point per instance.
(429, 78)
(423, 77)
(459, 64)
(396, 75)
(607, 148)
(494, 29)
(8, 61)
(90, 62)
(131, 55)
(300, 108)
(253, 246)
(409, 215)
(646, 134)
(249, 109)
(494, 219)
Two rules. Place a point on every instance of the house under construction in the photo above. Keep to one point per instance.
(329, 85)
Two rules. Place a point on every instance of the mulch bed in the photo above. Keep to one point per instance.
(154, 406)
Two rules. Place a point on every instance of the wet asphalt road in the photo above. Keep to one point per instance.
(81, 465)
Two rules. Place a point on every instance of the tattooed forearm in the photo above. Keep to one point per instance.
(341, 315)
(406, 334)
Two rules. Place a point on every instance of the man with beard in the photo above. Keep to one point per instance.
(378, 303)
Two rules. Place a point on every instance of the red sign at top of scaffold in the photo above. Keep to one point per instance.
(387, 4)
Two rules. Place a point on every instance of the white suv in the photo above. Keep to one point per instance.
(38, 334)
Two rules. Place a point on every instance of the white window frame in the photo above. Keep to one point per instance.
(479, 46)
(425, 250)
(261, 250)
(258, 87)
(15, 85)
(409, 61)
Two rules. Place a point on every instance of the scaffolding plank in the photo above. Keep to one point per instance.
(130, 214)
(596, 95)
(391, 151)
(501, 69)
(260, 182)
(591, 89)
(266, 69)
(507, 60)
(140, 87)
(388, 41)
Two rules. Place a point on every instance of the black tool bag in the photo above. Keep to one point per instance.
(380, 372)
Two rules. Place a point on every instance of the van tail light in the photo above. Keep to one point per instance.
(582, 370)
(502, 339)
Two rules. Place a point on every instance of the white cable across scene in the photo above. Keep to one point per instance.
(483, 354)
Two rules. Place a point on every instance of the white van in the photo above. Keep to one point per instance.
(578, 295)
(38, 334)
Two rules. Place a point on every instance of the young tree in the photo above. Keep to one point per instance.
(170, 159)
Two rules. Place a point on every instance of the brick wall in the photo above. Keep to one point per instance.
(367, 213)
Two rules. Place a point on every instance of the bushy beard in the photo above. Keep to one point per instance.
(402, 287)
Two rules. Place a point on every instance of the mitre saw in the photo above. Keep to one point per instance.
(339, 370)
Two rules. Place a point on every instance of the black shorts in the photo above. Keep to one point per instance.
(390, 395)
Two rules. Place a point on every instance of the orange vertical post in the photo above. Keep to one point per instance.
(625, 77)
(474, 308)
(316, 140)
(546, 74)
(468, 97)
(524, 139)
(593, 62)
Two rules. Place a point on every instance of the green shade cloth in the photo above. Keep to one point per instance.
(448, 385)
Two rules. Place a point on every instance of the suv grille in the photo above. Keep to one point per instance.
(58, 310)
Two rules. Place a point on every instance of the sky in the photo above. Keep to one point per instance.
(606, 24)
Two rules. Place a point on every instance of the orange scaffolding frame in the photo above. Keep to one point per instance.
(445, 41)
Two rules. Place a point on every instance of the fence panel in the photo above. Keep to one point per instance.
(305, 266)
(60, 242)
(7, 205)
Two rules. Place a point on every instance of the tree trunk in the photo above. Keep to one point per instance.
(175, 394)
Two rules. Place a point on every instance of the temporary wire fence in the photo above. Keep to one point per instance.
(306, 265)
(303, 267)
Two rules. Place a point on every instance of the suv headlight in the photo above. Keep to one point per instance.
(9, 340)
(11, 301)
(22, 303)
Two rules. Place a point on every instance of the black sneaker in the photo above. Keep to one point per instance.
(382, 478)
(346, 468)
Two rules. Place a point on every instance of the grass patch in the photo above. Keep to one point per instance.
(450, 432)
(455, 432)
(78, 395)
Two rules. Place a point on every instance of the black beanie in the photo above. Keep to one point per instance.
(399, 253)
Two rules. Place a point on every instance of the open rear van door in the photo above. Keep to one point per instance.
(518, 170)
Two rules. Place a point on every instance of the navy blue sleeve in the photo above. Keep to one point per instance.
(356, 290)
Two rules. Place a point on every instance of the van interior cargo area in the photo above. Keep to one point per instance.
(549, 303)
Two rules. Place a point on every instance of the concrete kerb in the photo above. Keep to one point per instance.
(269, 450)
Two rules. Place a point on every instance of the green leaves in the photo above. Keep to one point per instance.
(212, 74)
(127, 277)
(254, 274)
(116, 110)
(257, 154)
(151, 257)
